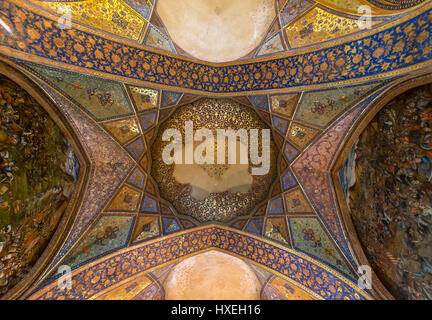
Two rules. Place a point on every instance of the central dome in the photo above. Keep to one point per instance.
(212, 275)
(214, 192)
(217, 30)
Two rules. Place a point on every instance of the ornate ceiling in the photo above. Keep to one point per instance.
(216, 31)
(127, 69)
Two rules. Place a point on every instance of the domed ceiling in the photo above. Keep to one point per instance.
(38, 173)
(115, 75)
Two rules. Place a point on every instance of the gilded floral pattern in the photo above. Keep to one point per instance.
(406, 45)
(319, 26)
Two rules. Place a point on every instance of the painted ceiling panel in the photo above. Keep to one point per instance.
(395, 4)
(309, 236)
(143, 7)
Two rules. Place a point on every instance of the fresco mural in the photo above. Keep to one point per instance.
(37, 176)
(393, 172)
